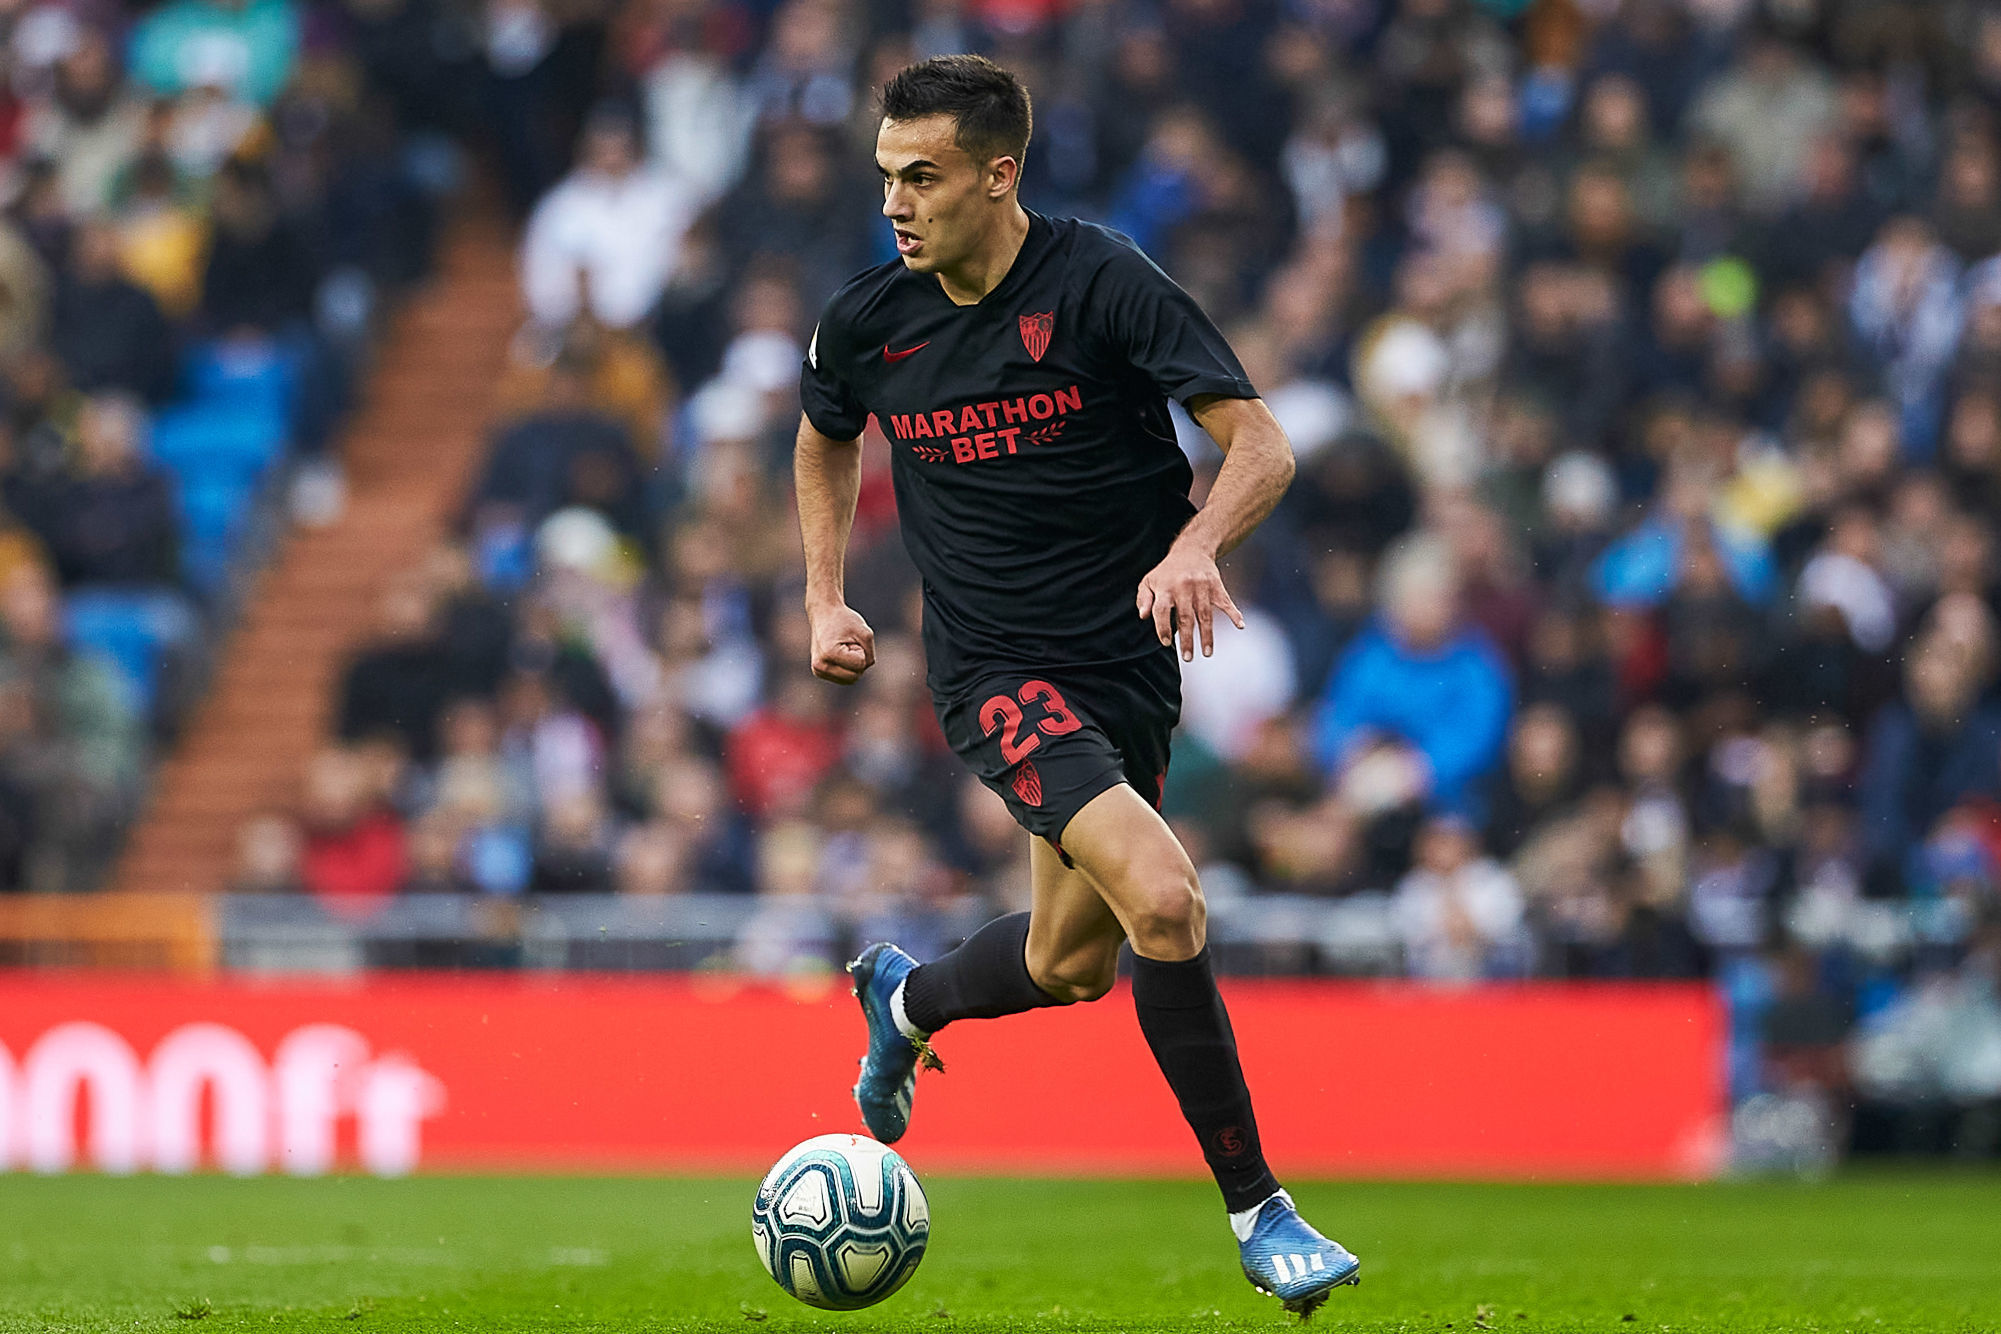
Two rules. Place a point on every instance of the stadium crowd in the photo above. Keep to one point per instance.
(202, 206)
(1633, 614)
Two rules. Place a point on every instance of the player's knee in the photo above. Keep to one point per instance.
(1169, 918)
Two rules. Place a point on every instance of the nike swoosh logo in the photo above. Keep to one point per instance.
(888, 355)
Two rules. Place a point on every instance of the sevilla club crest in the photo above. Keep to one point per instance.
(1036, 331)
(1028, 784)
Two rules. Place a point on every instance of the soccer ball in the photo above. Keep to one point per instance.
(840, 1222)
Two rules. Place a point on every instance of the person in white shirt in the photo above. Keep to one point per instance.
(609, 235)
(1460, 913)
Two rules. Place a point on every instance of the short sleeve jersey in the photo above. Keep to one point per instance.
(1036, 470)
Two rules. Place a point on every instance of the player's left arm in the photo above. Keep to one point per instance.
(1183, 593)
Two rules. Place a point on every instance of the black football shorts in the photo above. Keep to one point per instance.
(1049, 741)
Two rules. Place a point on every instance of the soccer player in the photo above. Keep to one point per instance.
(1021, 368)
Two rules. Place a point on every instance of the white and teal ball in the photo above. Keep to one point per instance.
(841, 1222)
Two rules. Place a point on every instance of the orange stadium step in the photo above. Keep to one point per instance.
(411, 449)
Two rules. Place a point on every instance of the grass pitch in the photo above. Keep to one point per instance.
(1889, 1253)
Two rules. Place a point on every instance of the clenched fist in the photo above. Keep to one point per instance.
(843, 645)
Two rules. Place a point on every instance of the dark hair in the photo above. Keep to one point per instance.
(987, 104)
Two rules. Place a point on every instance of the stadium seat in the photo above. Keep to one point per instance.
(213, 441)
(133, 628)
(213, 511)
(243, 374)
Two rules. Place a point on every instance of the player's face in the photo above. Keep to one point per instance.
(941, 202)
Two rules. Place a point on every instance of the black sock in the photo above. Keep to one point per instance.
(984, 978)
(1182, 1015)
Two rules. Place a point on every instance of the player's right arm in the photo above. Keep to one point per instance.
(827, 474)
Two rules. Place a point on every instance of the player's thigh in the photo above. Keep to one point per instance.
(1073, 935)
(1141, 871)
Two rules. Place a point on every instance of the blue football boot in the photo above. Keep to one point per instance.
(889, 1070)
(1285, 1258)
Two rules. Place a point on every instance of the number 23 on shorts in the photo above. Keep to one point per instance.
(1005, 714)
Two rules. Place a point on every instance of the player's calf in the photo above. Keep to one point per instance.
(1075, 973)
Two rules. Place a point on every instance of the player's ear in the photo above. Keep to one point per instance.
(1003, 174)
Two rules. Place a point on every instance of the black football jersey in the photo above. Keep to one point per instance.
(1036, 470)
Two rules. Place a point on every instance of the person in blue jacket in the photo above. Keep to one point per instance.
(1421, 681)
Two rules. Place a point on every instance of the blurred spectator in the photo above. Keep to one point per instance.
(270, 851)
(807, 66)
(1833, 219)
(259, 277)
(792, 931)
(690, 799)
(240, 49)
(73, 745)
(651, 859)
(1544, 775)
(90, 124)
(435, 865)
(1418, 684)
(573, 854)
(165, 240)
(1939, 742)
(1460, 913)
(1766, 109)
(778, 753)
(625, 374)
(1967, 212)
(398, 683)
(548, 739)
(355, 855)
(795, 210)
(1682, 548)
(1906, 310)
(699, 114)
(108, 330)
(606, 239)
(112, 521)
(566, 452)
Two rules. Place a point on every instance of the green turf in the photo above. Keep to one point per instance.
(1879, 1252)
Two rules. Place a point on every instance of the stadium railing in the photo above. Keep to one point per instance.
(278, 933)
(1274, 934)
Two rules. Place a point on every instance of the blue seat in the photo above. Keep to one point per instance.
(206, 441)
(214, 511)
(132, 628)
(252, 374)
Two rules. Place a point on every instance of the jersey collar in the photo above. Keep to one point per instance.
(1032, 246)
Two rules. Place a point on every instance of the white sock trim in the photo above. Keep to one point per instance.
(903, 1024)
(1244, 1220)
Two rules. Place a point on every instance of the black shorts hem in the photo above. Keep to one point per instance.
(1049, 820)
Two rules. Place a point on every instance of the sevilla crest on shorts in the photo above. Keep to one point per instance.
(1036, 331)
(1028, 784)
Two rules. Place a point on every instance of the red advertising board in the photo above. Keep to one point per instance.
(393, 1074)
